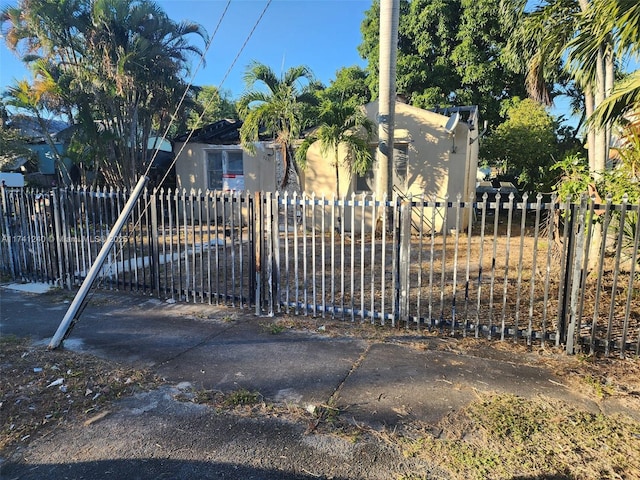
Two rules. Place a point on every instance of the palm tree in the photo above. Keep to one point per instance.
(623, 18)
(341, 124)
(38, 28)
(36, 99)
(140, 55)
(281, 111)
(554, 32)
(578, 36)
(117, 63)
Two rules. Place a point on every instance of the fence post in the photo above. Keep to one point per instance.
(576, 280)
(395, 210)
(257, 222)
(250, 248)
(155, 244)
(7, 229)
(275, 231)
(565, 268)
(404, 263)
(59, 235)
(268, 238)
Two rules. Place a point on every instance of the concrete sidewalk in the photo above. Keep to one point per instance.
(393, 380)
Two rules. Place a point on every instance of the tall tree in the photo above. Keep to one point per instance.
(524, 146)
(341, 124)
(481, 61)
(622, 17)
(574, 35)
(277, 107)
(585, 37)
(118, 65)
(450, 52)
(350, 85)
(210, 105)
(141, 55)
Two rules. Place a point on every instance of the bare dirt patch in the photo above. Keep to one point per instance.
(43, 389)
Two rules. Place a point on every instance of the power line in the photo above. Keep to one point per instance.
(224, 78)
(244, 44)
(189, 84)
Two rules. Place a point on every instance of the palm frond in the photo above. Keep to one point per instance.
(248, 98)
(294, 74)
(629, 25)
(624, 98)
(360, 156)
(258, 72)
(301, 151)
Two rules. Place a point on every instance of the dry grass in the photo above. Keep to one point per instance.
(508, 437)
(505, 437)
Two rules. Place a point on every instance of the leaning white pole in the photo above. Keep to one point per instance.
(72, 312)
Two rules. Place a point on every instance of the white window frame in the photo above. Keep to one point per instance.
(225, 160)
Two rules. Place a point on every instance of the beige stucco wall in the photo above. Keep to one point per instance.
(259, 169)
(439, 163)
(319, 176)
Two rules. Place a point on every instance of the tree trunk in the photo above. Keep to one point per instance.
(609, 65)
(591, 136)
(600, 150)
(285, 167)
(337, 181)
(590, 102)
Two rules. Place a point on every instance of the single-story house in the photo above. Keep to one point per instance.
(211, 158)
(435, 154)
(42, 169)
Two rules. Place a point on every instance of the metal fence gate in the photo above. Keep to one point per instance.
(527, 269)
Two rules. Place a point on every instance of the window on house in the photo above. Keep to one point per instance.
(214, 169)
(234, 162)
(400, 165)
(367, 182)
(225, 170)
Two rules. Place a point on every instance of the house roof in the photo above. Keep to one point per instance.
(29, 127)
(468, 114)
(222, 132)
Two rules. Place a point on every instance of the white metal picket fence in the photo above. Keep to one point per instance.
(526, 269)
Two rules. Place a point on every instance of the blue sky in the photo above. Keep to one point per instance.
(322, 34)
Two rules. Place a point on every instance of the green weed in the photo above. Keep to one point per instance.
(242, 397)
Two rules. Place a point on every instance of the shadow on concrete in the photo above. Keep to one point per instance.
(149, 469)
